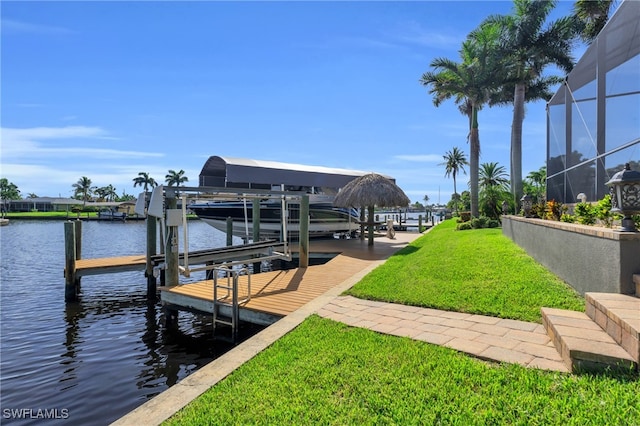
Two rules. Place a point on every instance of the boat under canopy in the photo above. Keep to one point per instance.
(231, 172)
(321, 183)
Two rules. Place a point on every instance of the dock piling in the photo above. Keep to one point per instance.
(172, 273)
(71, 282)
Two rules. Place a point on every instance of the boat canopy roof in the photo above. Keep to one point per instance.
(231, 172)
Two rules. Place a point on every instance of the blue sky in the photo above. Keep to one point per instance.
(110, 89)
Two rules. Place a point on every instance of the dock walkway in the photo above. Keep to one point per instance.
(276, 294)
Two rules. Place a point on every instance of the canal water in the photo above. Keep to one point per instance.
(91, 361)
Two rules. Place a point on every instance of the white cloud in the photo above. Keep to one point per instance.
(414, 33)
(422, 158)
(10, 26)
(31, 143)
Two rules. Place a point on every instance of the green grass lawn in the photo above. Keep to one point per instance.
(325, 372)
(46, 215)
(476, 271)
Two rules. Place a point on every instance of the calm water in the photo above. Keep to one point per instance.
(96, 359)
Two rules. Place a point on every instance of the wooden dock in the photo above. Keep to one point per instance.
(278, 293)
(107, 265)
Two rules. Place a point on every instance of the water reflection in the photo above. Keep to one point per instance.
(103, 355)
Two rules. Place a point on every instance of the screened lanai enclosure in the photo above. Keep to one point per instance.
(593, 120)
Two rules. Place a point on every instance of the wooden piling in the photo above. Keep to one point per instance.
(77, 225)
(303, 260)
(70, 282)
(171, 254)
(419, 223)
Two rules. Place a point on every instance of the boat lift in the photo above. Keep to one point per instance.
(228, 261)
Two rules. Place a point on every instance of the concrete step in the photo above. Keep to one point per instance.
(582, 344)
(619, 316)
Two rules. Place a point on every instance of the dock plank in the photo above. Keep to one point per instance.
(282, 292)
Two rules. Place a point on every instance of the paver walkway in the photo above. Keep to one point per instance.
(488, 338)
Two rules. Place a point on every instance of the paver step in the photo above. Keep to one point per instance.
(619, 316)
(582, 344)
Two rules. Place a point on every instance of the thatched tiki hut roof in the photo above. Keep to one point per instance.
(369, 191)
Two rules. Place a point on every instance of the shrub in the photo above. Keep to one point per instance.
(554, 210)
(603, 211)
(585, 213)
(465, 216)
(479, 222)
(567, 218)
(464, 226)
(493, 223)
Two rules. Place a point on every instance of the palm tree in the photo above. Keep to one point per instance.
(110, 192)
(83, 186)
(145, 181)
(494, 182)
(593, 15)
(527, 48)
(176, 178)
(537, 182)
(454, 162)
(493, 175)
(471, 83)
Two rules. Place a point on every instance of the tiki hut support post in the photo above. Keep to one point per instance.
(370, 224)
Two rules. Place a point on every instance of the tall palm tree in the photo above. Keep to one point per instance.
(527, 47)
(145, 181)
(454, 162)
(471, 83)
(83, 186)
(176, 178)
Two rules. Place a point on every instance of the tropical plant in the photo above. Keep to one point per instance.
(455, 160)
(494, 189)
(83, 189)
(471, 83)
(145, 181)
(8, 191)
(593, 15)
(535, 184)
(176, 178)
(527, 47)
(106, 193)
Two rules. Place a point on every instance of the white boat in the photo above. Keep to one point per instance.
(320, 183)
(111, 214)
(324, 219)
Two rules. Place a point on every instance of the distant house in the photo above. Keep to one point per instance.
(42, 204)
(59, 204)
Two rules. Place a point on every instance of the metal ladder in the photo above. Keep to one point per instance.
(226, 278)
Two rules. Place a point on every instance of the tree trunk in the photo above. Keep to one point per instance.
(474, 163)
(516, 143)
(455, 192)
